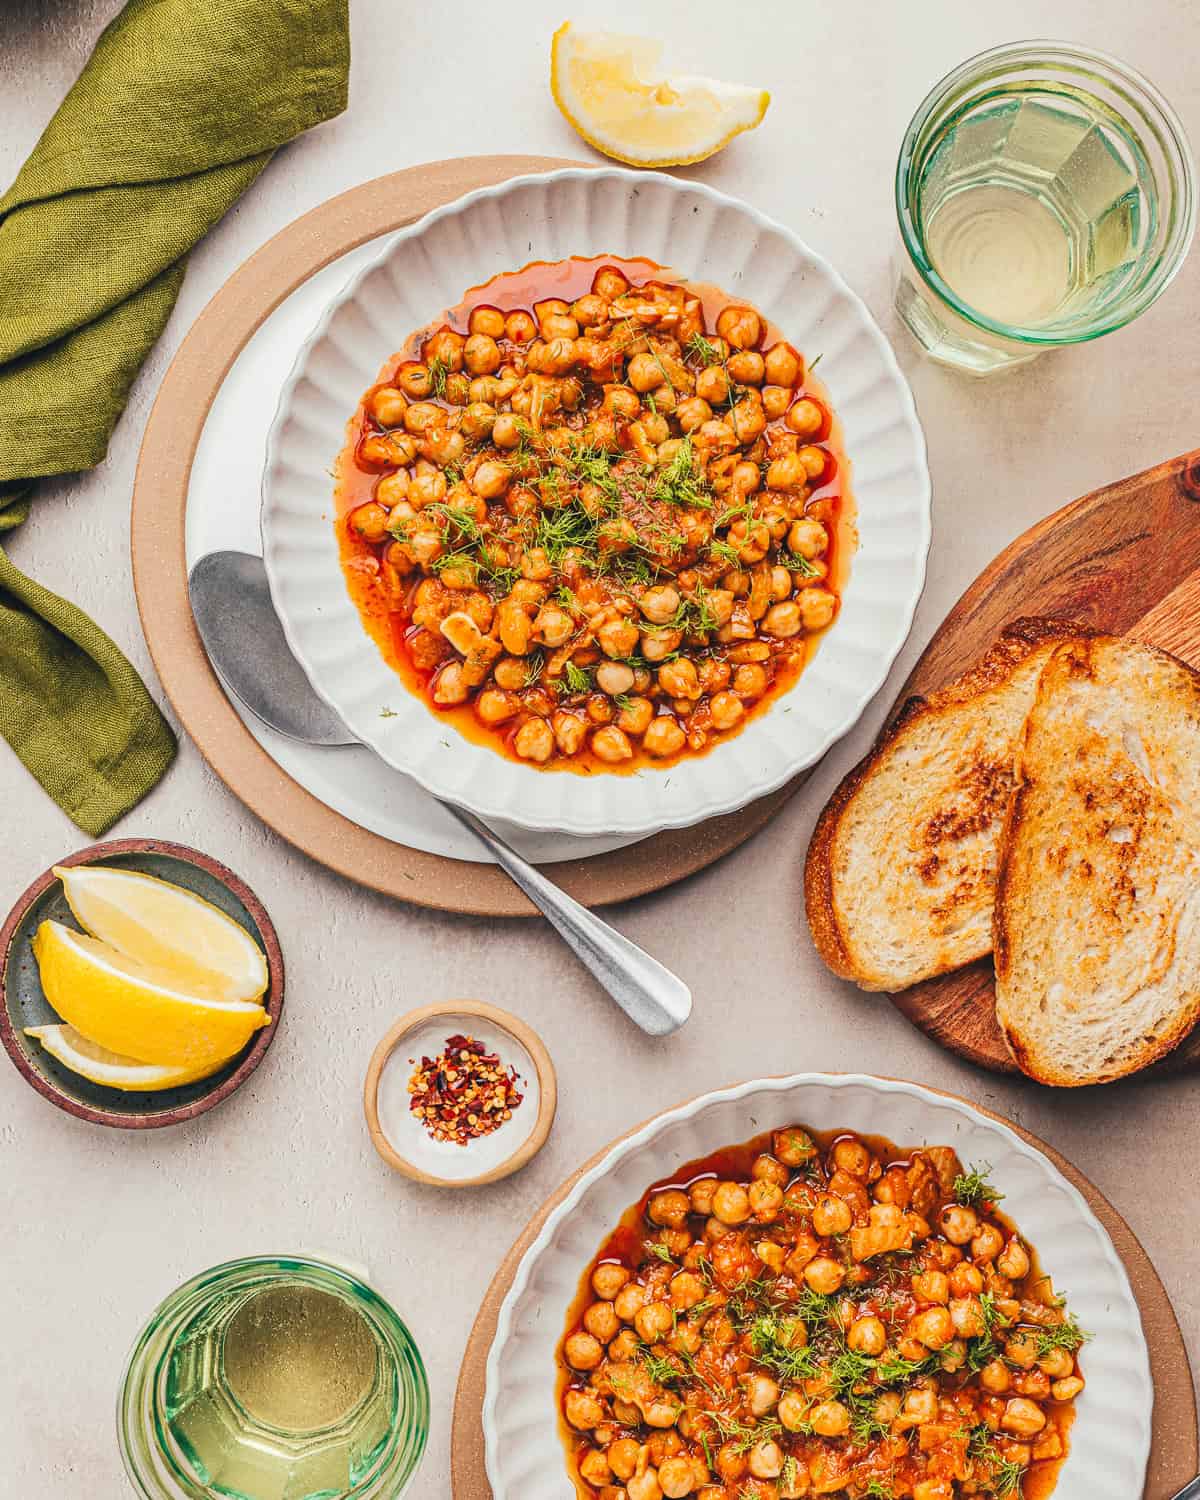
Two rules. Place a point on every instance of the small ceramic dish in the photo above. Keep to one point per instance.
(1110, 1438)
(402, 1140)
(22, 1002)
(694, 233)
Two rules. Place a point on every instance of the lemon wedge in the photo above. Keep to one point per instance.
(611, 90)
(167, 928)
(135, 1010)
(112, 1070)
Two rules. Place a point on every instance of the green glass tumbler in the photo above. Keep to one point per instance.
(273, 1378)
(1046, 195)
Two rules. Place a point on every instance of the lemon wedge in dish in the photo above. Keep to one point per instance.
(112, 1070)
(136, 1010)
(167, 928)
(612, 91)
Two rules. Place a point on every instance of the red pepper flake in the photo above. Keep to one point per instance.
(463, 1093)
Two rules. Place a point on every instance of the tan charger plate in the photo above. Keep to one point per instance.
(160, 497)
(1173, 1443)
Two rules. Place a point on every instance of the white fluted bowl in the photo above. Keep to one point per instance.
(701, 235)
(1110, 1440)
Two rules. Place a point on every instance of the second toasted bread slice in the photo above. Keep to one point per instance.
(900, 875)
(1097, 918)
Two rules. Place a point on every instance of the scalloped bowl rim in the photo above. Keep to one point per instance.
(478, 796)
(779, 1085)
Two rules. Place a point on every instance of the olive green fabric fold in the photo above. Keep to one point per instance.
(177, 111)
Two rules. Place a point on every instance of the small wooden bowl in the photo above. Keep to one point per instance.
(402, 1140)
(22, 1002)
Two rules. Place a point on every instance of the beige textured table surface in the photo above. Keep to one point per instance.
(100, 1225)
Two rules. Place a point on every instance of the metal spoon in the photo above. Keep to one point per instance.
(242, 634)
(1190, 1491)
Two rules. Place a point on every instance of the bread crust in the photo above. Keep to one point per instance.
(1077, 657)
(1016, 643)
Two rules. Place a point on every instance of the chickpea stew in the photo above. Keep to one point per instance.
(818, 1315)
(600, 530)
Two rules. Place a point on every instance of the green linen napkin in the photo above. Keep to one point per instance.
(177, 111)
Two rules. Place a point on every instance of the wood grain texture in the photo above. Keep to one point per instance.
(1124, 559)
(1173, 1446)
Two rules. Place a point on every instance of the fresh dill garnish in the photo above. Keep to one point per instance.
(534, 663)
(655, 1247)
(438, 370)
(624, 702)
(699, 348)
(1004, 1474)
(813, 363)
(790, 1472)
(894, 1369)
(878, 1489)
(660, 1369)
(579, 680)
(769, 1340)
(1067, 1335)
(725, 552)
(794, 563)
(973, 1188)
(678, 483)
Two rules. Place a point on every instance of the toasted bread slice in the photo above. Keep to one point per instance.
(1097, 920)
(900, 875)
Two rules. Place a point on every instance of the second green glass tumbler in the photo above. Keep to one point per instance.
(1046, 195)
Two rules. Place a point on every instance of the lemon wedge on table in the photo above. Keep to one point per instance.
(98, 1065)
(612, 91)
(167, 928)
(134, 1009)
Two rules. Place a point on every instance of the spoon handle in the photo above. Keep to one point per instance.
(649, 994)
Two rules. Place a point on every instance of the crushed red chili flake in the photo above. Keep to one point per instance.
(463, 1093)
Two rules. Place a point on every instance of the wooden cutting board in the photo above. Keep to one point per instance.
(1124, 559)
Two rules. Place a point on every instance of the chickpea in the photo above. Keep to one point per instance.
(793, 1410)
(1013, 1260)
(370, 521)
(965, 1279)
(712, 385)
(510, 672)
(534, 741)
(830, 1419)
(489, 320)
(958, 1224)
(645, 373)
(491, 479)
(687, 1289)
(495, 707)
(762, 1394)
(986, 1244)
(766, 1459)
(624, 1347)
(519, 327)
(807, 538)
(594, 1467)
(750, 681)
(415, 381)
(726, 710)
(831, 1216)
(731, 1463)
(824, 1274)
(815, 461)
(607, 1280)
(765, 1168)
(506, 429)
(996, 1378)
(786, 473)
(449, 687)
(446, 347)
(623, 1455)
(601, 1322)
(766, 1201)
(782, 621)
(644, 1486)
(481, 354)
(653, 1321)
(793, 1146)
(659, 604)
(748, 420)
(611, 745)
(1022, 1418)
(933, 1327)
(775, 401)
(1067, 1389)
(669, 1208)
(677, 1478)
(1035, 1383)
(741, 327)
(701, 1195)
(920, 1406)
(558, 325)
(421, 417)
(933, 1489)
(614, 678)
(663, 736)
(442, 445)
(1056, 1363)
(1021, 1349)
(805, 418)
(388, 405)
(583, 1409)
(782, 365)
(931, 1286)
(867, 1336)
(731, 1203)
(583, 1351)
(617, 637)
(609, 283)
(629, 1301)
(636, 716)
(678, 679)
